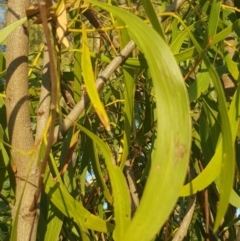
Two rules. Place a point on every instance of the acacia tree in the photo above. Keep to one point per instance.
(134, 138)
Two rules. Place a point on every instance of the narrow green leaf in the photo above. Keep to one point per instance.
(77, 60)
(227, 165)
(212, 170)
(121, 196)
(172, 146)
(225, 32)
(2, 65)
(65, 146)
(129, 91)
(10, 28)
(4, 159)
(175, 30)
(232, 66)
(97, 171)
(89, 81)
(60, 197)
(213, 19)
(234, 199)
(199, 85)
(206, 177)
(177, 43)
(191, 52)
(186, 54)
(148, 7)
(54, 224)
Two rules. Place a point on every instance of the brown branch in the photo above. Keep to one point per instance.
(43, 14)
(113, 65)
(81, 105)
(42, 116)
(206, 207)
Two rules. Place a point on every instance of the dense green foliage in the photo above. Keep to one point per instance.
(169, 126)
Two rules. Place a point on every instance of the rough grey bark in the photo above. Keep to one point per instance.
(19, 125)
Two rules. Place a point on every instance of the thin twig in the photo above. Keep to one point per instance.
(132, 185)
(182, 231)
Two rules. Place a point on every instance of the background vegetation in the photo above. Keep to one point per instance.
(154, 153)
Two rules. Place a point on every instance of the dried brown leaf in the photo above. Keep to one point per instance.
(61, 25)
(33, 11)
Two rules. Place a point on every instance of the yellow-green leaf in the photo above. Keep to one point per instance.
(89, 81)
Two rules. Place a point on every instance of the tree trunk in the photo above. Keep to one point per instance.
(19, 125)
